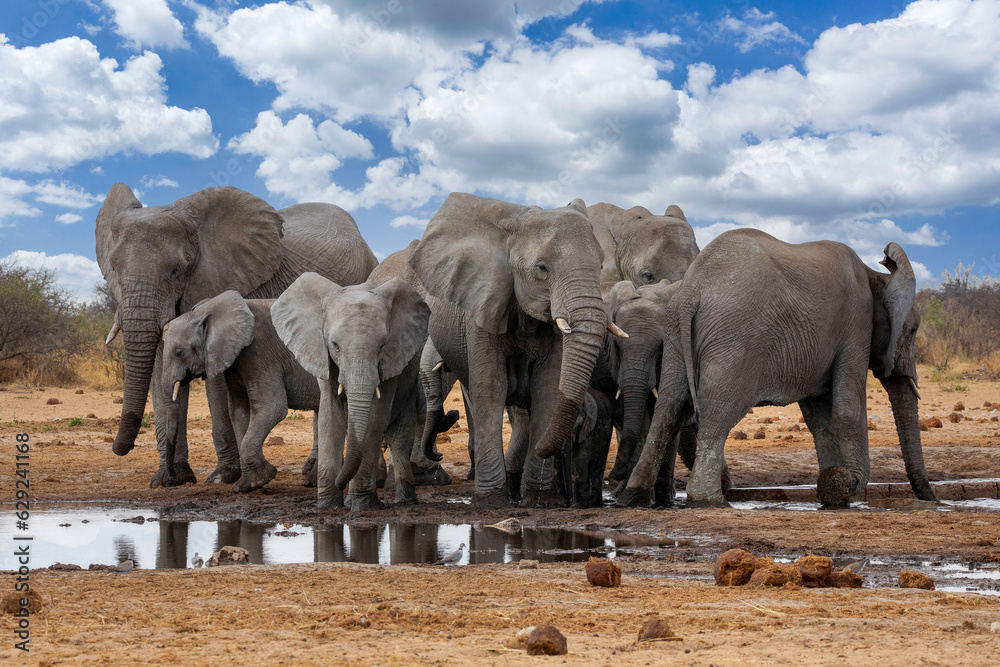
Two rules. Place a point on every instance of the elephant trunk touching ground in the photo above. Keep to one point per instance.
(588, 322)
(141, 334)
(903, 399)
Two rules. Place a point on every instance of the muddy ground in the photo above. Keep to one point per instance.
(415, 614)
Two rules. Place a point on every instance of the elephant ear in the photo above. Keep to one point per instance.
(407, 326)
(662, 291)
(463, 258)
(600, 216)
(674, 211)
(899, 294)
(120, 198)
(226, 328)
(239, 242)
(298, 316)
(621, 292)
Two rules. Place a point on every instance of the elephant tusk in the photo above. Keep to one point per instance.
(177, 390)
(616, 330)
(563, 325)
(115, 328)
(913, 386)
(438, 366)
(656, 394)
(378, 394)
(340, 389)
(618, 393)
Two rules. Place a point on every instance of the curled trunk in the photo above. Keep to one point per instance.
(359, 405)
(579, 354)
(434, 394)
(905, 414)
(141, 337)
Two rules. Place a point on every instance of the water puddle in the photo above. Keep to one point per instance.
(109, 536)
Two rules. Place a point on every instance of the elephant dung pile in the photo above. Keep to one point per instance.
(914, 579)
(738, 567)
(603, 572)
(229, 556)
(540, 640)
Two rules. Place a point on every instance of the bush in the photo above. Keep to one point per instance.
(960, 320)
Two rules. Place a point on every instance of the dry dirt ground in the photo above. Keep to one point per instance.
(318, 613)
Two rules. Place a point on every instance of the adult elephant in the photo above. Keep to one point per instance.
(160, 261)
(763, 322)
(517, 315)
(641, 247)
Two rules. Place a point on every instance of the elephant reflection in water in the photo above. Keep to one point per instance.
(171, 550)
(413, 544)
(490, 545)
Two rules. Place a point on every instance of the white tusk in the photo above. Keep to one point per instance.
(177, 389)
(438, 366)
(656, 394)
(913, 386)
(113, 333)
(378, 394)
(618, 393)
(340, 389)
(563, 325)
(616, 330)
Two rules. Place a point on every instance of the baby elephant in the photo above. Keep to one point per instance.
(227, 335)
(363, 344)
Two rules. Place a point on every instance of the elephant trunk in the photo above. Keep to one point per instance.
(905, 412)
(359, 406)
(579, 355)
(430, 378)
(141, 333)
(634, 394)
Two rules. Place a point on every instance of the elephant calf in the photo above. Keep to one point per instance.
(363, 344)
(227, 335)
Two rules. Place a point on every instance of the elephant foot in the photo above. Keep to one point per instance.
(664, 496)
(433, 476)
(255, 478)
(491, 499)
(633, 497)
(362, 502)
(543, 499)
(619, 489)
(471, 475)
(225, 473)
(406, 493)
(330, 500)
(585, 497)
(706, 503)
(309, 472)
(182, 475)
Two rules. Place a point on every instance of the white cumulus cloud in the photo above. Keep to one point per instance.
(757, 28)
(73, 272)
(69, 218)
(146, 23)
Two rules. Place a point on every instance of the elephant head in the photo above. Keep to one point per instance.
(894, 328)
(494, 259)
(641, 247)
(634, 362)
(206, 340)
(362, 334)
(161, 260)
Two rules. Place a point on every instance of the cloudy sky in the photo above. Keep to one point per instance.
(860, 121)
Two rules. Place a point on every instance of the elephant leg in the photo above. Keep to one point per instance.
(517, 450)
(227, 449)
(539, 486)
(818, 413)
(849, 417)
(399, 437)
(623, 461)
(471, 441)
(664, 490)
(488, 394)
(256, 471)
(329, 443)
(687, 448)
(170, 418)
(309, 467)
(633, 453)
(598, 446)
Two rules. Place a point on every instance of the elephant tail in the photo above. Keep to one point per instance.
(685, 324)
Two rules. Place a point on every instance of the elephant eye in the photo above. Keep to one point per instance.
(177, 269)
(335, 345)
(179, 352)
(543, 269)
(647, 277)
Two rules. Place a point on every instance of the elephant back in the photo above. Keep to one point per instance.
(324, 239)
(397, 265)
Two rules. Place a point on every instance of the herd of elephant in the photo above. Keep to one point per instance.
(578, 322)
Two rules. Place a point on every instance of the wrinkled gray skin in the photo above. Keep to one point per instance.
(641, 247)
(160, 261)
(363, 344)
(427, 470)
(229, 336)
(591, 440)
(635, 363)
(762, 322)
(498, 275)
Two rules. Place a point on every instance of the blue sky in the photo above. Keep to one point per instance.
(863, 122)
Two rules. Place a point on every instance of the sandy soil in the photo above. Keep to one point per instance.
(312, 613)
